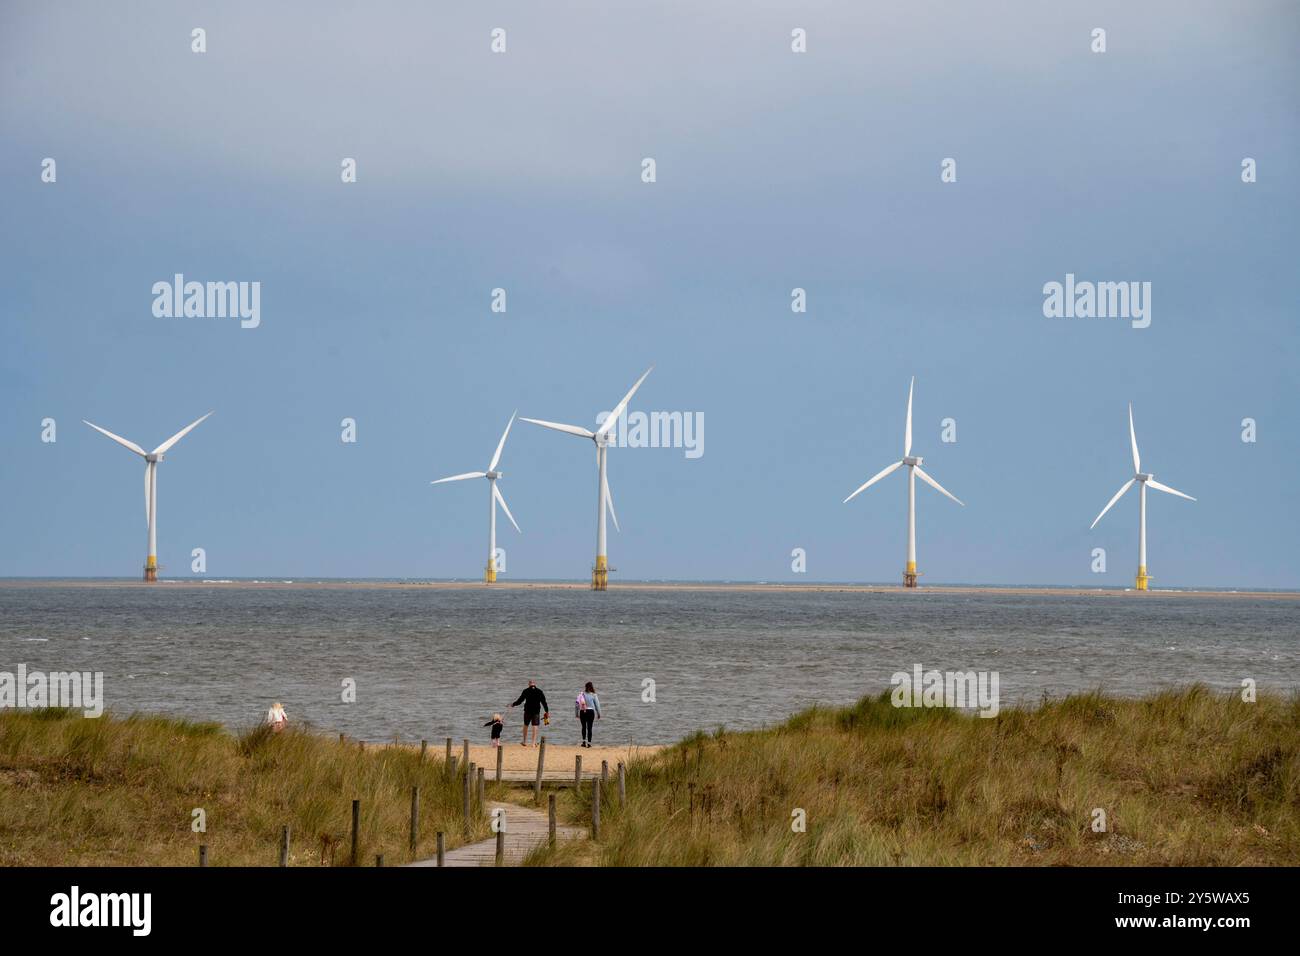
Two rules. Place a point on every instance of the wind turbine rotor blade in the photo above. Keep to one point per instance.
(937, 487)
(1151, 482)
(468, 474)
(1133, 438)
(618, 409)
(501, 444)
(873, 480)
(119, 439)
(570, 429)
(1119, 494)
(161, 449)
(496, 493)
(609, 505)
(907, 434)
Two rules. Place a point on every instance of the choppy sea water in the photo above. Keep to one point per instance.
(435, 662)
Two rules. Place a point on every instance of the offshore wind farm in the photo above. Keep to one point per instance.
(376, 237)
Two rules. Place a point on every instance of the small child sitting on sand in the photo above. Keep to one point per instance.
(496, 723)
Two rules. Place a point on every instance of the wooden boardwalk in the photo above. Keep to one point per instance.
(526, 828)
(558, 778)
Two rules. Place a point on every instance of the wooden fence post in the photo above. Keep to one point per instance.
(501, 847)
(595, 809)
(482, 804)
(379, 859)
(464, 753)
(203, 854)
(448, 760)
(604, 775)
(415, 818)
(541, 763)
(356, 828)
(622, 785)
(465, 803)
(550, 820)
(441, 852)
(451, 769)
(577, 771)
(500, 755)
(284, 845)
(424, 745)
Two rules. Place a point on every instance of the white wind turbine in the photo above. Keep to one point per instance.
(1144, 480)
(494, 498)
(151, 459)
(604, 501)
(914, 471)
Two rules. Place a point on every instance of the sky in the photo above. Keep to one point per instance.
(774, 170)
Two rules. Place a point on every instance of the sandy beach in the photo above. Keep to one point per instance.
(559, 757)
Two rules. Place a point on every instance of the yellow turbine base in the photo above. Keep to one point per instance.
(151, 568)
(1142, 578)
(600, 574)
(909, 575)
(490, 573)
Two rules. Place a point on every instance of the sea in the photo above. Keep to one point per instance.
(412, 662)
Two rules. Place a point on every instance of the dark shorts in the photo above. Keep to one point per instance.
(533, 717)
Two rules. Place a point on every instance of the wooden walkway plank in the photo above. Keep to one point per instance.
(526, 829)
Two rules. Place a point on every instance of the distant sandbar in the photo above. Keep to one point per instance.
(292, 584)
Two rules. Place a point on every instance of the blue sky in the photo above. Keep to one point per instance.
(775, 170)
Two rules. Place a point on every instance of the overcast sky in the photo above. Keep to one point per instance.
(775, 170)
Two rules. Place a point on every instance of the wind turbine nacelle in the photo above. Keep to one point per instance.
(1142, 477)
(913, 461)
(153, 457)
(494, 474)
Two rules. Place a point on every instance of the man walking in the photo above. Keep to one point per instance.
(534, 702)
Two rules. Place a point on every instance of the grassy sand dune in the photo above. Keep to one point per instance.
(122, 792)
(1184, 778)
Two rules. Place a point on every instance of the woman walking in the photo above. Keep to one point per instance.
(587, 709)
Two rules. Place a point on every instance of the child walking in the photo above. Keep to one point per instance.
(496, 723)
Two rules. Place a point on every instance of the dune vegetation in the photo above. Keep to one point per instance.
(124, 791)
(1186, 777)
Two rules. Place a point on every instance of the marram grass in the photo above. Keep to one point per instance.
(110, 791)
(1184, 777)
